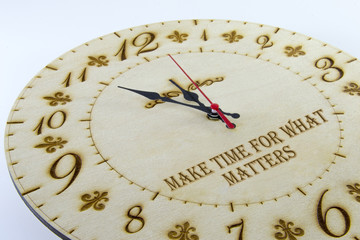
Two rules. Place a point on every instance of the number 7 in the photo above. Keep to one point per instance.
(241, 225)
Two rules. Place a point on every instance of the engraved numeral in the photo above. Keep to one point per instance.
(326, 63)
(77, 162)
(241, 225)
(38, 128)
(81, 77)
(56, 120)
(322, 218)
(143, 40)
(134, 214)
(122, 51)
(264, 41)
(204, 36)
(66, 82)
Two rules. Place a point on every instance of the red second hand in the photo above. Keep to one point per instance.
(213, 106)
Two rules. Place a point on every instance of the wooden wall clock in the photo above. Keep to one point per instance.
(112, 141)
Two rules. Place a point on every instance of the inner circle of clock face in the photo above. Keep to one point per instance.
(183, 155)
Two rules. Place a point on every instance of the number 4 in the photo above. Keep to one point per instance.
(241, 225)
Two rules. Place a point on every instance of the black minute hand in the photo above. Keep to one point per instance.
(190, 96)
(156, 96)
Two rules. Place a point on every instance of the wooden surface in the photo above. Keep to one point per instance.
(257, 199)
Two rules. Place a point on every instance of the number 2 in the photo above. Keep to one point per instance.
(264, 41)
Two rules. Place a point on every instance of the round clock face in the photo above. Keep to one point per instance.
(114, 140)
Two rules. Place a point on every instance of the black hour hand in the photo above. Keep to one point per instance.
(149, 95)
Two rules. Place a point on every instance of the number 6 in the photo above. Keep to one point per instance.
(322, 218)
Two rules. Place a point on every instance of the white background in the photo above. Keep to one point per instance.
(33, 33)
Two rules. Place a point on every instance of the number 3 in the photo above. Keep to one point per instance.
(326, 63)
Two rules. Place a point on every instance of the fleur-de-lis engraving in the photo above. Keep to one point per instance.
(178, 37)
(57, 99)
(95, 201)
(99, 62)
(232, 37)
(287, 231)
(354, 190)
(183, 233)
(294, 51)
(50, 144)
(352, 89)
